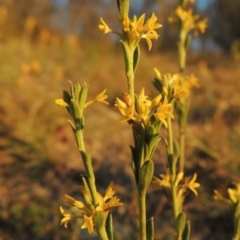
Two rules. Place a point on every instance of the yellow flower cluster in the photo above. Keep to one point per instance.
(190, 21)
(100, 98)
(135, 29)
(144, 108)
(182, 184)
(176, 86)
(182, 87)
(87, 210)
(233, 193)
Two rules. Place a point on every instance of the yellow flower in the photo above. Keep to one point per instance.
(61, 102)
(164, 181)
(180, 182)
(192, 184)
(219, 197)
(164, 111)
(190, 21)
(100, 98)
(67, 217)
(201, 25)
(88, 223)
(125, 110)
(233, 193)
(87, 210)
(104, 27)
(182, 86)
(145, 108)
(137, 26)
(134, 29)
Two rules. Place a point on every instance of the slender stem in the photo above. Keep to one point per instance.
(103, 234)
(172, 164)
(182, 133)
(182, 50)
(130, 77)
(183, 115)
(142, 214)
(87, 165)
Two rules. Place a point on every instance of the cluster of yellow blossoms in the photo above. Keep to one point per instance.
(87, 210)
(176, 86)
(182, 184)
(144, 108)
(135, 29)
(189, 21)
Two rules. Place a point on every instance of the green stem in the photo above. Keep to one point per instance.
(182, 50)
(103, 234)
(87, 165)
(142, 214)
(130, 77)
(183, 113)
(182, 130)
(172, 165)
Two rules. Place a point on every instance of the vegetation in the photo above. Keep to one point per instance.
(40, 160)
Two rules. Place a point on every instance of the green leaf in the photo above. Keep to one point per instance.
(181, 222)
(72, 125)
(109, 226)
(88, 197)
(66, 97)
(158, 84)
(77, 91)
(126, 54)
(77, 113)
(186, 232)
(152, 146)
(146, 175)
(136, 57)
(118, 5)
(150, 229)
(71, 89)
(86, 183)
(123, 6)
(83, 96)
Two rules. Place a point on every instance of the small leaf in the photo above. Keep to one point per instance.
(77, 113)
(83, 96)
(152, 146)
(109, 226)
(158, 85)
(126, 55)
(77, 91)
(66, 97)
(150, 229)
(136, 57)
(146, 175)
(123, 6)
(187, 230)
(181, 222)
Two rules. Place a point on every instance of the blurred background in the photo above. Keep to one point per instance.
(44, 43)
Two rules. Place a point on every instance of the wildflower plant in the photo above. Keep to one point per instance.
(95, 209)
(146, 116)
(233, 202)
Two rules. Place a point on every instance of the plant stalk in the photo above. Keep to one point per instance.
(142, 214)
